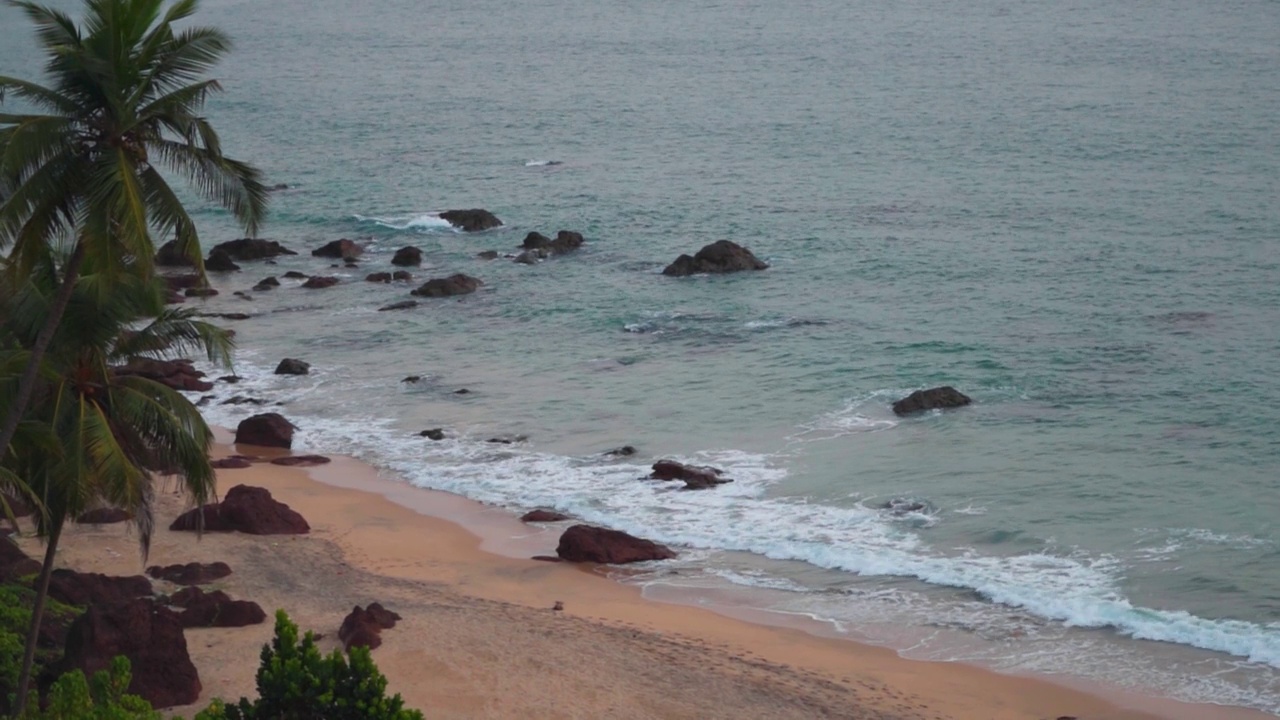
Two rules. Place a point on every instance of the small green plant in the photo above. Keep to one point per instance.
(103, 698)
(296, 682)
(15, 621)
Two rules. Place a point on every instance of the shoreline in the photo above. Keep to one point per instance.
(427, 552)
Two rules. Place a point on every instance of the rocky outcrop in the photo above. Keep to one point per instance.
(473, 220)
(76, 588)
(543, 516)
(192, 573)
(695, 477)
(407, 256)
(169, 256)
(320, 281)
(176, 374)
(402, 305)
(245, 509)
(721, 256)
(458, 284)
(265, 430)
(252, 249)
(182, 282)
(147, 633)
(344, 249)
(14, 563)
(363, 627)
(931, 399)
(378, 277)
(215, 609)
(583, 543)
(564, 242)
(292, 366)
(301, 461)
(104, 516)
(220, 261)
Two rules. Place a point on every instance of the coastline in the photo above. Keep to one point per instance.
(480, 639)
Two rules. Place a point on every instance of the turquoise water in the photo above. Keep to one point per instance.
(1067, 212)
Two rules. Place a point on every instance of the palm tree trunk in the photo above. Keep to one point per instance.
(37, 614)
(27, 384)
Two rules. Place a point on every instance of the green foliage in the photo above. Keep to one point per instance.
(15, 620)
(103, 698)
(296, 682)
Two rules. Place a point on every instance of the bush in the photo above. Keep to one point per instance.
(16, 602)
(71, 698)
(296, 682)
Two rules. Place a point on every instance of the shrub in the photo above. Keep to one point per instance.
(104, 698)
(15, 621)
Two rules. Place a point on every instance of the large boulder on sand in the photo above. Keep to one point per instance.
(407, 256)
(215, 609)
(363, 626)
(147, 633)
(252, 249)
(473, 220)
(245, 509)
(193, 573)
(721, 256)
(583, 543)
(343, 249)
(933, 398)
(265, 430)
(695, 477)
(458, 284)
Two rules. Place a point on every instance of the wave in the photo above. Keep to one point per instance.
(424, 221)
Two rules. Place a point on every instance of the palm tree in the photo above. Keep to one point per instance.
(82, 175)
(103, 433)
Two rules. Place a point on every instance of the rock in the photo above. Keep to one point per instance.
(193, 573)
(278, 187)
(508, 439)
(233, 379)
(252, 249)
(246, 296)
(624, 451)
(412, 379)
(104, 516)
(407, 256)
(694, 477)
(220, 261)
(75, 588)
(543, 516)
(182, 282)
(290, 366)
(458, 284)
(343, 248)
(14, 563)
(401, 275)
(265, 430)
(175, 374)
(721, 256)
(169, 256)
(206, 518)
(473, 220)
(380, 277)
(202, 292)
(147, 633)
(546, 558)
(535, 240)
(487, 255)
(320, 281)
(531, 257)
(215, 609)
(402, 305)
(903, 506)
(245, 509)
(933, 398)
(295, 275)
(433, 434)
(269, 281)
(462, 391)
(583, 543)
(363, 627)
(242, 400)
(350, 262)
(301, 461)
(230, 463)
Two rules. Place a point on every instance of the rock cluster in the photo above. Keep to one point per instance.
(721, 256)
(363, 627)
(176, 374)
(214, 609)
(245, 509)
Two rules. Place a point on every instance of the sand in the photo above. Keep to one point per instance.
(480, 639)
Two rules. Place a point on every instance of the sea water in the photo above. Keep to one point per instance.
(1067, 211)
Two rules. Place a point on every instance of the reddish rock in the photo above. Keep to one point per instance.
(458, 284)
(473, 220)
(543, 516)
(14, 563)
(206, 518)
(252, 510)
(320, 281)
(265, 430)
(76, 588)
(215, 609)
(230, 463)
(104, 516)
(363, 627)
(343, 248)
(583, 543)
(301, 460)
(931, 399)
(147, 633)
(177, 374)
(694, 477)
(407, 256)
(721, 256)
(190, 574)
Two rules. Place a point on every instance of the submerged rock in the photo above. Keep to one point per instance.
(320, 281)
(378, 277)
(458, 284)
(694, 477)
(433, 434)
(402, 305)
(292, 366)
(584, 543)
(721, 256)
(192, 573)
(933, 398)
(407, 256)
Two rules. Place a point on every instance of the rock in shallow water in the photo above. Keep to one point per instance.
(265, 430)
(721, 256)
(931, 399)
(584, 543)
(473, 220)
(458, 284)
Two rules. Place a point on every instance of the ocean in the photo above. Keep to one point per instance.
(1065, 210)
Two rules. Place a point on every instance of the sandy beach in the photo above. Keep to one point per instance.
(480, 639)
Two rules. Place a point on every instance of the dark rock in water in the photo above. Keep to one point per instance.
(343, 248)
(104, 516)
(537, 245)
(565, 241)
(407, 256)
(543, 516)
(233, 379)
(295, 275)
(462, 391)
(242, 400)
(220, 261)
(290, 366)
(624, 451)
(278, 187)
(933, 398)
(402, 305)
(176, 374)
(215, 609)
(252, 249)
(412, 379)
(363, 627)
(246, 296)
(169, 256)
(535, 240)
(903, 506)
(508, 439)
(301, 461)
(694, 477)
(583, 543)
(458, 284)
(269, 281)
(531, 257)
(473, 220)
(319, 282)
(182, 282)
(149, 635)
(402, 275)
(193, 573)
(487, 255)
(433, 434)
(379, 277)
(721, 256)
(200, 292)
(266, 430)
(76, 588)
(230, 463)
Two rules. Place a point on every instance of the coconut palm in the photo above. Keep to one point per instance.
(103, 433)
(82, 173)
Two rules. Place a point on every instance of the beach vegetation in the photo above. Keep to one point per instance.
(104, 697)
(16, 601)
